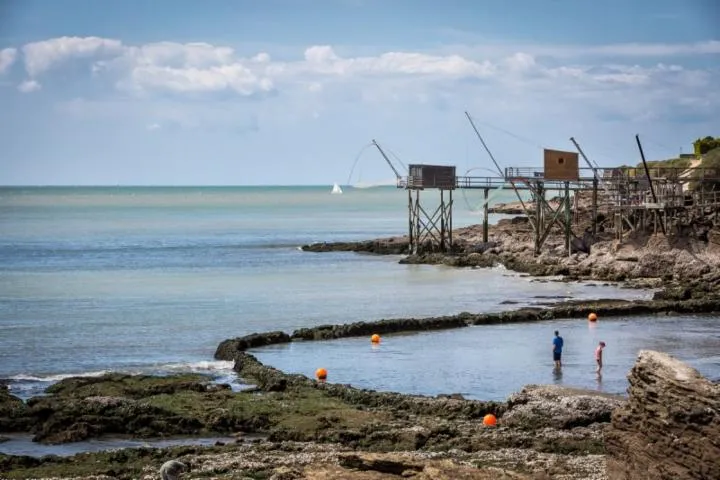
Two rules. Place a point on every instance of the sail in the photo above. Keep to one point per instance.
(336, 189)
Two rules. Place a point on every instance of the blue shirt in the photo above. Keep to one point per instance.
(558, 343)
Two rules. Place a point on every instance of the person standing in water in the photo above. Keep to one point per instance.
(598, 356)
(557, 349)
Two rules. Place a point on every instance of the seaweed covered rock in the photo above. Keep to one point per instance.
(142, 406)
(13, 412)
(670, 426)
(229, 348)
(384, 246)
(72, 420)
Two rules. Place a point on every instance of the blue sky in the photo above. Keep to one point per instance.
(291, 92)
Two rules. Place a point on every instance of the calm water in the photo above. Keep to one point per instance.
(23, 445)
(489, 362)
(152, 279)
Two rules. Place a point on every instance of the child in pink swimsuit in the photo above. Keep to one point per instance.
(599, 355)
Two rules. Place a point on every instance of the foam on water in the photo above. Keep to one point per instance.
(25, 386)
(54, 378)
(199, 367)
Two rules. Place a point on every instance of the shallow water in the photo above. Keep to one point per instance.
(489, 362)
(151, 280)
(23, 445)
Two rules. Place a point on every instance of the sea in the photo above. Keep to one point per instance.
(152, 279)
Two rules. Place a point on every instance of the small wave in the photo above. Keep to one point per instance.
(199, 367)
(54, 378)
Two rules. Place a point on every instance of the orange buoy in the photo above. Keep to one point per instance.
(375, 338)
(321, 374)
(592, 317)
(489, 420)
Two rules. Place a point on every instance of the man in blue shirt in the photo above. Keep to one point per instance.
(557, 349)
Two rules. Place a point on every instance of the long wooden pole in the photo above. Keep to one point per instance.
(485, 216)
(647, 171)
(567, 217)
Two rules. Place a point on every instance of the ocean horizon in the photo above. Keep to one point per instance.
(151, 279)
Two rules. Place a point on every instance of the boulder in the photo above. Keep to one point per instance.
(542, 406)
(670, 426)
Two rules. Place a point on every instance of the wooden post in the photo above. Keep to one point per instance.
(655, 221)
(442, 245)
(594, 205)
(538, 217)
(567, 217)
(450, 222)
(411, 243)
(485, 216)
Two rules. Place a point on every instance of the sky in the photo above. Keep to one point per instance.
(292, 92)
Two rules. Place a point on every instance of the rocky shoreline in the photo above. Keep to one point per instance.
(686, 265)
(316, 430)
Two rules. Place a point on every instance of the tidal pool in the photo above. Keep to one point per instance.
(489, 362)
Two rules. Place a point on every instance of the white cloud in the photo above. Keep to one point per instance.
(324, 61)
(7, 58)
(475, 45)
(509, 80)
(520, 61)
(29, 86)
(226, 77)
(261, 57)
(180, 55)
(202, 67)
(186, 68)
(153, 126)
(320, 54)
(42, 56)
(710, 47)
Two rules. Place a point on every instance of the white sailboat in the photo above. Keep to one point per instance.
(336, 189)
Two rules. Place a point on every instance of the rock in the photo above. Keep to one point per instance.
(286, 473)
(71, 420)
(327, 332)
(541, 406)
(228, 348)
(13, 412)
(385, 246)
(371, 466)
(670, 426)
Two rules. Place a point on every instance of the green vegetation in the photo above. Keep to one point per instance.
(150, 407)
(670, 163)
(145, 406)
(705, 145)
(711, 164)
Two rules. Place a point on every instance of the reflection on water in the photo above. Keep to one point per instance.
(23, 445)
(489, 362)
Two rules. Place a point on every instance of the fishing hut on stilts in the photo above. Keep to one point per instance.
(668, 200)
(428, 230)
